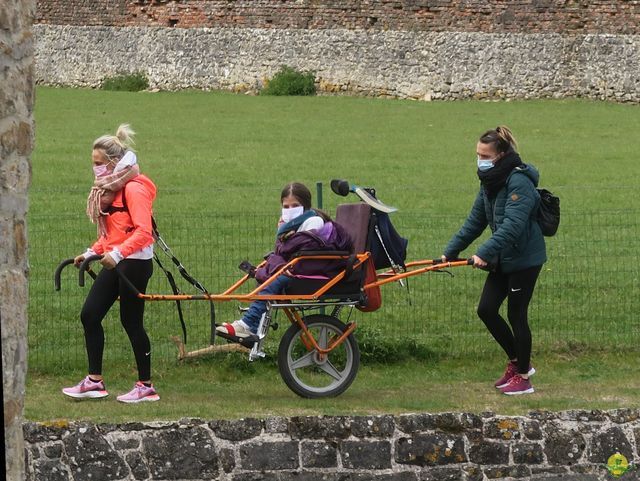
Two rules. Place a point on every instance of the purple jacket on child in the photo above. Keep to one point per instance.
(330, 237)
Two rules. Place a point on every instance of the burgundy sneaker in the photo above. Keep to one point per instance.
(517, 385)
(512, 370)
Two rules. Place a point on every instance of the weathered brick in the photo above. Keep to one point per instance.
(269, 455)
(563, 446)
(494, 16)
(527, 453)
(366, 454)
(489, 452)
(604, 444)
(237, 429)
(373, 426)
(502, 428)
(318, 454)
(320, 427)
(508, 472)
(91, 457)
(137, 464)
(187, 453)
(430, 450)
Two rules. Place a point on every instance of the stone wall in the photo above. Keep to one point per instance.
(567, 446)
(16, 142)
(404, 64)
(533, 16)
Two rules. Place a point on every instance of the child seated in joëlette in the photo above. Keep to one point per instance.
(299, 228)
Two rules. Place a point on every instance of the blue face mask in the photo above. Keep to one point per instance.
(485, 164)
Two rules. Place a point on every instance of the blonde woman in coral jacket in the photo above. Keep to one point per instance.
(120, 203)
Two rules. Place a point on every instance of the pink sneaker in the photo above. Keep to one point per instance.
(512, 370)
(139, 393)
(86, 389)
(517, 385)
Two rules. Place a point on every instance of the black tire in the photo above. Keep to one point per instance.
(304, 372)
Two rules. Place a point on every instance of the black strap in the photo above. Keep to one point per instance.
(183, 272)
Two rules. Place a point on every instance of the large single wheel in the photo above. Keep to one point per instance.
(312, 375)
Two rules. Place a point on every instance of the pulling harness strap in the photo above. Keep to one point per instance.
(183, 272)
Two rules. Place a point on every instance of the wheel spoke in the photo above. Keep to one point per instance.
(304, 361)
(323, 337)
(331, 370)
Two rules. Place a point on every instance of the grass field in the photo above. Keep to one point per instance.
(219, 161)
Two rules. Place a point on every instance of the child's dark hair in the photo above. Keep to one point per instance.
(501, 137)
(303, 194)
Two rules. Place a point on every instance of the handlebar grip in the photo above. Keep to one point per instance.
(56, 275)
(84, 266)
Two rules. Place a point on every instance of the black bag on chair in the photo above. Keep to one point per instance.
(388, 248)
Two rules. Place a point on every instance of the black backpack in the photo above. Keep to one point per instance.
(548, 213)
(388, 248)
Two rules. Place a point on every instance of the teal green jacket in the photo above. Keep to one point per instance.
(516, 242)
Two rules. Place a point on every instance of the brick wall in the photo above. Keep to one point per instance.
(497, 16)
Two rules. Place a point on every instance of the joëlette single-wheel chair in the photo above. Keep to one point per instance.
(318, 355)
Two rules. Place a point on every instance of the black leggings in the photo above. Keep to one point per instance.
(104, 292)
(518, 288)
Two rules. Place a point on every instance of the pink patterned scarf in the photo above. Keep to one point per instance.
(105, 189)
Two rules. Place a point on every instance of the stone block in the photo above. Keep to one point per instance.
(373, 426)
(38, 433)
(563, 446)
(123, 444)
(531, 430)
(236, 430)
(313, 427)
(269, 455)
(137, 465)
(396, 476)
(366, 454)
(187, 453)
(53, 451)
(414, 423)
(502, 428)
(276, 425)
(318, 454)
(91, 457)
(489, 452)
(442, 474)
(227, 460)
(607, 443)
(621, 416)
(527, 453)
(518, 471)
(430, 450)
(257, 477)
(51, 470)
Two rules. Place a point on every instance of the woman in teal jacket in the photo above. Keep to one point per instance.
(508, 204)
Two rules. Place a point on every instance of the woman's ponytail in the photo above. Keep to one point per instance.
(501, 137)
(115, 146)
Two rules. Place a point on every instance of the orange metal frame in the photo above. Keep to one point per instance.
(413, 269)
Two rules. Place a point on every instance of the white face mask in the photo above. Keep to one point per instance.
(292, 213)
(100, 170)
(485, 164)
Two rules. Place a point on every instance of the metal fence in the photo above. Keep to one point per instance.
(586, 296)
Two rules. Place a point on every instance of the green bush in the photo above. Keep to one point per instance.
(133, 82)
(377, 347)
(289, 81)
